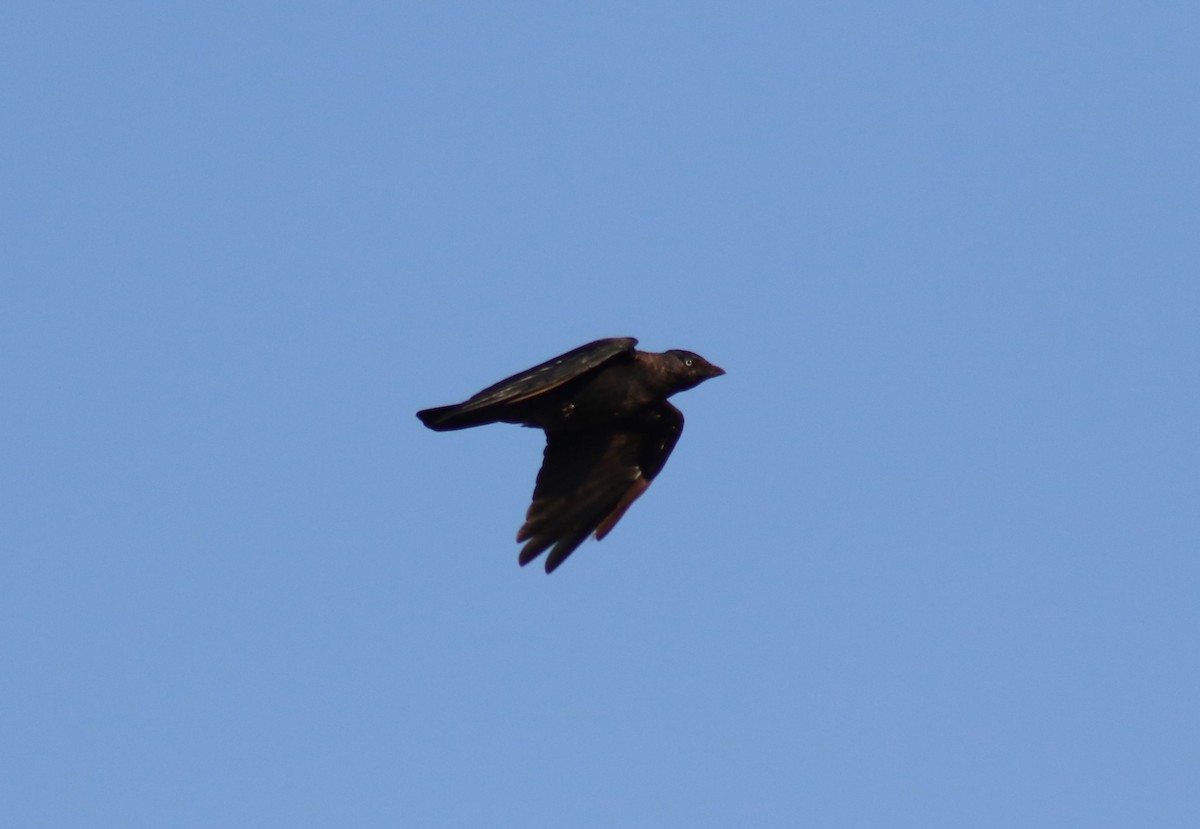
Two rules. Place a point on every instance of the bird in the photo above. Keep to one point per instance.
(609, 431)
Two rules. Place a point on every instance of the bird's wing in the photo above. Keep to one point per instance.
(493, 402)
(550, 374)
(589, 478)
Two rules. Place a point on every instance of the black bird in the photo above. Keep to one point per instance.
(609, 431)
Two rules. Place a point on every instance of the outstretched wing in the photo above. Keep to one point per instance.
(527, 384)
(589, 478)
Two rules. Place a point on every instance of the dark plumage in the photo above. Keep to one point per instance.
(609, 431)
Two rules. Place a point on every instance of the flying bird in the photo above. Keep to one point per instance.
(609, 431)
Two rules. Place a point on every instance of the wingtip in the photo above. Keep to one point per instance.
(534, 548)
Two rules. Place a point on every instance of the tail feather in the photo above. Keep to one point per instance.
(449, 418)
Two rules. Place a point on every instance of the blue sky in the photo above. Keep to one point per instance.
(925, 557)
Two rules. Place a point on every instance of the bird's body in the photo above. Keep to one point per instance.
(609, 430)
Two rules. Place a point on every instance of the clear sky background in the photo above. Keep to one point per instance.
(926, 557)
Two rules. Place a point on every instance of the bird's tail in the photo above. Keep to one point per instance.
(449, 418)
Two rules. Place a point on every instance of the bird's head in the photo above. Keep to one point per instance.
(688, 369)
